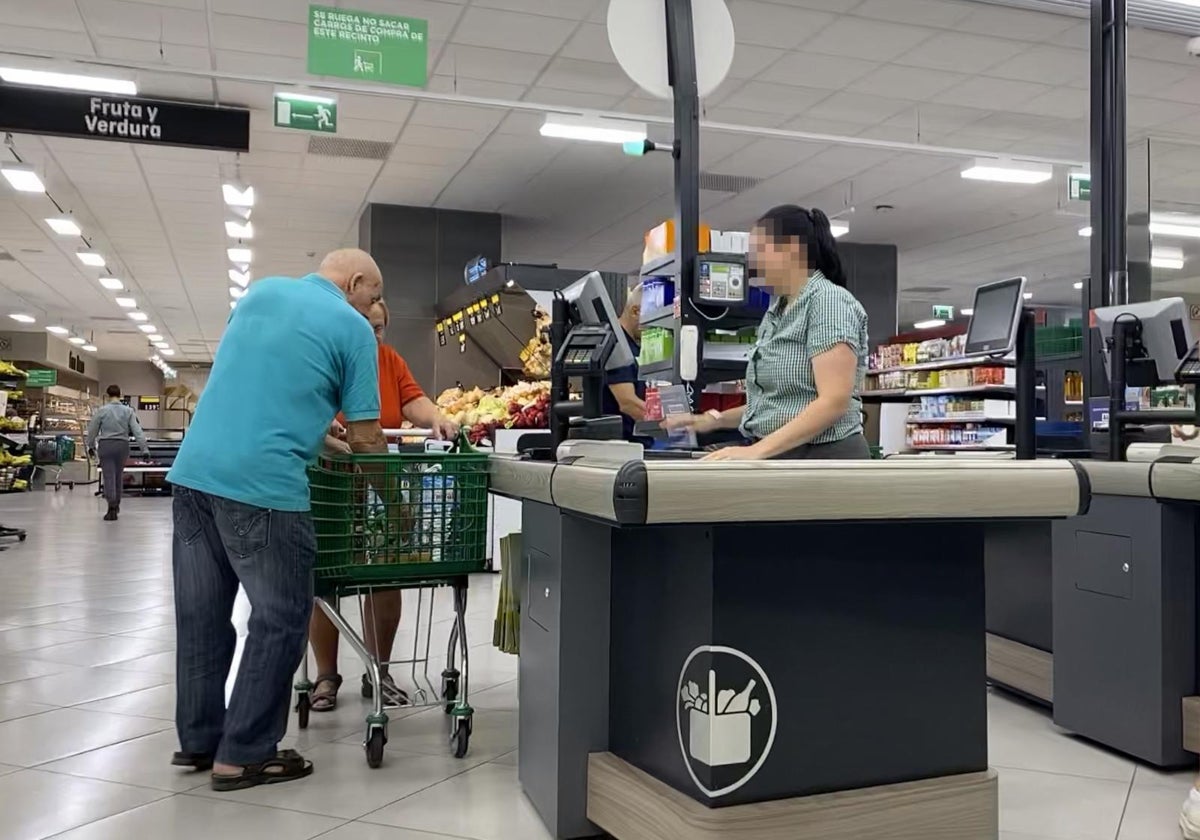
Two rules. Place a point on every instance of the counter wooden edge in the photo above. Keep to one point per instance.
(1191, 724)
(1020, 667)
(632, 805)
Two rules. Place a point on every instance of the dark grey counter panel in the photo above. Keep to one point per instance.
(1018, 559)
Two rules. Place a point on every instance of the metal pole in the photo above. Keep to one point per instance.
(1026, 437)
(1109, 282)
(681, 72)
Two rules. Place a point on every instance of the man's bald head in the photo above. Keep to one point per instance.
(356, 273)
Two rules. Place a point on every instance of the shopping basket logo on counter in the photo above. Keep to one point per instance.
(726, 716)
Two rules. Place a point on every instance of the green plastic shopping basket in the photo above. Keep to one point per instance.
(400, 518)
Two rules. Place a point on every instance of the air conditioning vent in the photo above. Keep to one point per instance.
(1164, 15)
(924, 290)
(346, 147)
(716, 182)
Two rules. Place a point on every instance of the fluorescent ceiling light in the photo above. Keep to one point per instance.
(137, 315)
(76, 340)
(126, 303)
(1029, 296)
(154, 337)
(22, 318)
(1008, 171)
(148, 329)
(930, 324)
(162, 345)
(112, 284)
(839, 228)
(238, 195)
(240, 278)
(70, 81)
(167, 352)
(64, 226)
(1079, 286)
(90, 258)
(598, 129)
(236, 292)
(91, 348)
(58, 330)
(1085, 231)
(968, 312)
(240, 230)
(1166, 224)
(240, 256)
(23, 178)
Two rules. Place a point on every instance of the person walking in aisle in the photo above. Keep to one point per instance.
(108, 434)
(293, 354)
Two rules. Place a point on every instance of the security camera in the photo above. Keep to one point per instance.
(1194, 47)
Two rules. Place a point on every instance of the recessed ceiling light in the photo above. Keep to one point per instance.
(58, 330)
(161, 345)
(1079, 286)
(1029, 296)
(148, 329)
(1085, 231)
(240, 256)
(929, 325)
(70, 81)
(126, 302)
(239, 230)
(241, 278)
(23, 178)
(23, 318)
(91, 348)
(137, 315)
(112, 284)
(1008, 171)
(64, 226)
(154, 337)
(167, 352)
(76, 340)
(236, 292)
(839, 228)
(238, 195)
(90, 258)
(968, 312)
(598, 129)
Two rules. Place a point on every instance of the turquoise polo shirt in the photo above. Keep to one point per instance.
(294, 353)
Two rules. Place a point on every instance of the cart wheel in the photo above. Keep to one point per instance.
(303, 707)
(461, 739)
(450, 689)
(21, 538)
(374, 748)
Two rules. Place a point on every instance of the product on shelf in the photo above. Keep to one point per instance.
(13, 424)
(536, 357)
(9, 369)
(658, 345)
(525, 405)
(914, 353)
(969, 434)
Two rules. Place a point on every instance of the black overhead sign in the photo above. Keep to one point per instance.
(130, 119)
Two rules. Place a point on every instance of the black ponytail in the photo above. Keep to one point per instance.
(811, 227)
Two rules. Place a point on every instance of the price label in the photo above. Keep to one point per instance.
(441, 334)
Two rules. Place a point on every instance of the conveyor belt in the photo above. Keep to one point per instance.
(652, 493)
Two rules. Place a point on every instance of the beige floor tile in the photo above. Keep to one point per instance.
(367, 831)
(143, 761)
(36, 805)
(1152, 814)
(80, 685)
(155, 702)
(1065, 807)
(23, 639)
(35, 740)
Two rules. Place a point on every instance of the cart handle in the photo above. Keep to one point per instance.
(461, 444)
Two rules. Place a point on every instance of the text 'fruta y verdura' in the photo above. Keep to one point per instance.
(121, 118)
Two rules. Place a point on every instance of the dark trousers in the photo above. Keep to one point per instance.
(851, 448)
(113, 455)
(218, 544)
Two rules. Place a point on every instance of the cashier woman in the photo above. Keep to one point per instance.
(805, 374)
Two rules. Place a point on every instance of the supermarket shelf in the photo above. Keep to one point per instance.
(665, 366)
(659, 317)
(958, 418)
(965, 447)
(948, 364)
(655, 268)
(935, 392)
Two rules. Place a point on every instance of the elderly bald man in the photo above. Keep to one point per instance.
(295, 353)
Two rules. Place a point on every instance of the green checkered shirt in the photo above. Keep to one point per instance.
(779, 378)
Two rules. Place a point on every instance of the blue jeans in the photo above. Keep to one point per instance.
(218, 544)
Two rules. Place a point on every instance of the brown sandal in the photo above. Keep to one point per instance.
(286, 766)
(325, 699)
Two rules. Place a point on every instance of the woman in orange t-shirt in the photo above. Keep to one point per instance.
(400, 399)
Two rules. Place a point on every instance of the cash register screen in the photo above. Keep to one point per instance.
(993, 328)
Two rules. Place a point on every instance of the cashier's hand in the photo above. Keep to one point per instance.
(736, 453)
(701, 424)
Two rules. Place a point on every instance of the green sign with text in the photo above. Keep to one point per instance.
(308, 113)
(1080, 187)
(41, 378)
(367, 46)
(945, 313)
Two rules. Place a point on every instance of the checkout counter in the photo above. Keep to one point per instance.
(710, 648)
(754, 649)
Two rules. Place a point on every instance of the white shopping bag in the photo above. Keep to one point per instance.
(241, 623)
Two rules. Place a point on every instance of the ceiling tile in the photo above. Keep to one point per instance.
(249, 35)
(749, 60)
(491, 64)
(961, 53)
(982, 92)
(590, 43)
(770, 97)
(870, 40)
(572, 98)
(914, 83)
(32, 38)
(476, 87)
(519, 32)
(1017, 24)
(773, 25)
(586, 77)
(817, 71)
(856, 108)
(1043, 62)
(446, 115)
(937, 13)
(570, 9)
(121, 19)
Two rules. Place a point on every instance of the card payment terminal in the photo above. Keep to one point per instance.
(722, 280)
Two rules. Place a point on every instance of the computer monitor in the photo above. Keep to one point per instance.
(591, 304)
(1166, 331)
(993, 328)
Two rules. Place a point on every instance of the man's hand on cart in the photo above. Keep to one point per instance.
(445, 428)
(337, 446)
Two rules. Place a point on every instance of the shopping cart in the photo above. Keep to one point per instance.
(405, 520)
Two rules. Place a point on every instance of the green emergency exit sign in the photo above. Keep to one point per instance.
(306, 112)
(1080, 187)
(944, 313)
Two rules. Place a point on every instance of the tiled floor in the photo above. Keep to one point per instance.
(86, 699)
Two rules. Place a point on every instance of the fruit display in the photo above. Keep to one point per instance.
(12, 424)
(9, 369)
(9, 460)
(525, 405)
(536, 357)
